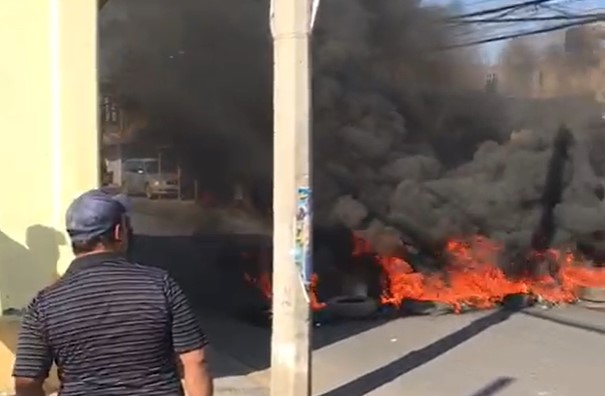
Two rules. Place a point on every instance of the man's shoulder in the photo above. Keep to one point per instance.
(42, 294)
(135, 269)
(146, 270)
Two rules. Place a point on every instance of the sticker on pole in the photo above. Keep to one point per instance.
(302, 249)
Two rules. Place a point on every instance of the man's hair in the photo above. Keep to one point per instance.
(82, 247)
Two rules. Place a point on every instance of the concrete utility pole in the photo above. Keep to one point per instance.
(290, 347)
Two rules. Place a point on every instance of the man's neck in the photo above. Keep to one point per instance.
(97, 251)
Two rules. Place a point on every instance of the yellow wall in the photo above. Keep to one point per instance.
(8, 330)
(48, 152)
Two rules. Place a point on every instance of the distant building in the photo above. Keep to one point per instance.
(573, 67)
(118, 129)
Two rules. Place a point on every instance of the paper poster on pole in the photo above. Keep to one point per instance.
(302, 253)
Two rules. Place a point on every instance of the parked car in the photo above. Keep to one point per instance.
(149, 177)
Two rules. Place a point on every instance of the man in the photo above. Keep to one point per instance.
(113, 327)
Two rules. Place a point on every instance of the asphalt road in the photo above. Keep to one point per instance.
(557, 352)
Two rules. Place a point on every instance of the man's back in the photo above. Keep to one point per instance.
(114, 328)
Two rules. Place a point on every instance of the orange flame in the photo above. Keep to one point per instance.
(472, 277)
(262, 282)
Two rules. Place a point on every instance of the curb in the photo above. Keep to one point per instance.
(592, 295)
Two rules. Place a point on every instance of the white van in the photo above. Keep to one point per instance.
(146, 176)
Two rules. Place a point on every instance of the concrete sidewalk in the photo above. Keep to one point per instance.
(225, 383)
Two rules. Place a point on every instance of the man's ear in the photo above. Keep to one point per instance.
(117, 232)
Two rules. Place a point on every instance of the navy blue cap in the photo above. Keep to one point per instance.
(94, 213)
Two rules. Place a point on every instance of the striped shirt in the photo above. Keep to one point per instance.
(113, 328)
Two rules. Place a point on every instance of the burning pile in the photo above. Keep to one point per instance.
(472, 277)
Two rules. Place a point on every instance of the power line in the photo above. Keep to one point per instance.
(556, 9)
(569, 7)
(498, 27)
(530, 19)
(525, 33)
(495, 10)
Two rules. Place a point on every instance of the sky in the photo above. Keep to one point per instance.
(555, 8)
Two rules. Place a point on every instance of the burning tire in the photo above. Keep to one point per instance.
(421, 308)
(518, 301)
(352, 307)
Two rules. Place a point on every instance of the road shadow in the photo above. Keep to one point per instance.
(397, 368)
(495, 386)
(206, 267)
(566, 322)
